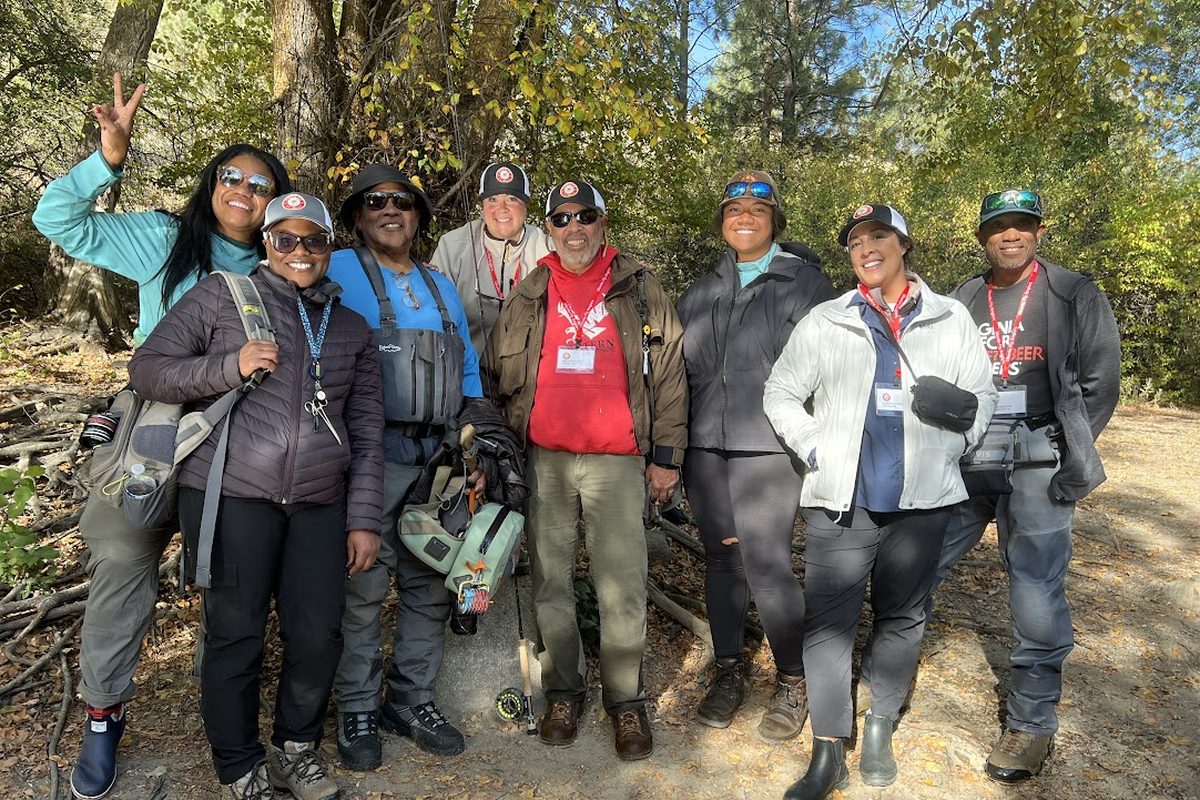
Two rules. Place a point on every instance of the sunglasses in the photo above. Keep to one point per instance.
(563, 218)
(317, 244)
(260, 185)
(759, 189)
(377, 201)
(1012, 199)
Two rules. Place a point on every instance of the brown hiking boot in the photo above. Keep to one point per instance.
(560, 723)
(634, 740)
(298, 768)
(786, 712)
(1018, 756)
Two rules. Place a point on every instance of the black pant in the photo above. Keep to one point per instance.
(898, 552)
(296, 554)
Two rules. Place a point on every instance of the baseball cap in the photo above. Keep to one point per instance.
(297, 205)
(868, 212)
(575, 192)
(1010, 201)
(371, 176)
(504, 177)
(751, 183)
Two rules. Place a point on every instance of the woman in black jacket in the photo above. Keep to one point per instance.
(300, 495)
(743, 485)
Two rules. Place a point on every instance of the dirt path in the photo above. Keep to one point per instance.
(1130, 719)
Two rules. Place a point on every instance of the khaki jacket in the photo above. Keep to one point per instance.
(514, 351)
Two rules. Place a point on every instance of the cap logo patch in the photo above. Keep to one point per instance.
(569, 189)
(293, 202)
(504, 175)
(861, 212)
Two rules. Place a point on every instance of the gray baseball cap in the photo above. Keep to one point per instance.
(297, 205)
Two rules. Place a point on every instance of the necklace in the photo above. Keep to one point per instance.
(403, 284)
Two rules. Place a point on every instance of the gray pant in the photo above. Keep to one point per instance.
(123, 567)
(421, 614)
(1035, 545)
(606, 493)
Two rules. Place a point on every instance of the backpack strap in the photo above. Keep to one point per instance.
(387, 312)
(447, 324)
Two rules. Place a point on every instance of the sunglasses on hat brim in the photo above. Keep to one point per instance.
(757, 189)
(1023, 200)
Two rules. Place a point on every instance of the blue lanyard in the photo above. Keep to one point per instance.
(314, 344)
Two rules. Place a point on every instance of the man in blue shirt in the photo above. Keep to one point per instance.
(429, 368)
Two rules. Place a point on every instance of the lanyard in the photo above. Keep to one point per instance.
(498, 282)
(569, 312)
(892, 317)
(1006, 354)
(315, 343)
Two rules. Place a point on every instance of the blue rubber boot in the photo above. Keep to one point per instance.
(96, 768)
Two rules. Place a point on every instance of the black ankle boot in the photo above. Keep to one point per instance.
(876, 763)
(725, 693)
(826, 772)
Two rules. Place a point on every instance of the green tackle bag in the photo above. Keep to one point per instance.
(486, 558)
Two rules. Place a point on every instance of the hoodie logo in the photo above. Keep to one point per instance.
(591, 326)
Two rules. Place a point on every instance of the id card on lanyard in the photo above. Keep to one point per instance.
(889, 397)
(1012, 401)
(574, 358)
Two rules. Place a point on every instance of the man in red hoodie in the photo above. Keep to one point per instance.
(586, 361)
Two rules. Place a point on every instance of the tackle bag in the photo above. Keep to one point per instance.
(987, 470)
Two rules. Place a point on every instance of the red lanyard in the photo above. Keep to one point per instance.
(497, 282)
(569, 312)
(892, 318)
(1006, 354)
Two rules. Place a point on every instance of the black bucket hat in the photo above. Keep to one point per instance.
(371, 176)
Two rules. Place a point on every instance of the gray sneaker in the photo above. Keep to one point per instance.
(1018, 756)
(298, 767)
(254, 785)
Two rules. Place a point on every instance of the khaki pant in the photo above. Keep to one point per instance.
(606, 493)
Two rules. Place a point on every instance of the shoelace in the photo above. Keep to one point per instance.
(560, 711)
(361, 724)
(307, 767)
(429, 716)
(726, 676)
(628, 720)
(1017, 743)
(785, 693)
(258, 786)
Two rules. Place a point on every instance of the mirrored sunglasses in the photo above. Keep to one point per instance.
(317, 244)
(563, 218)
(759, 189)
(1012, 199)
(377, 201)
(260, 185)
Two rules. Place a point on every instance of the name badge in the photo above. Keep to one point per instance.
(580, 360)
(1012, 402)
(889, 400)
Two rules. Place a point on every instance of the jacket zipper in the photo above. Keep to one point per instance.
(298, 404)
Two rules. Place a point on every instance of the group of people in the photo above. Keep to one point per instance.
(765, 391)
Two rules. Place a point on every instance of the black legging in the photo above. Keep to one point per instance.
(750, 497)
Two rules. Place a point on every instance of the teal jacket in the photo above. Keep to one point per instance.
(134, 245)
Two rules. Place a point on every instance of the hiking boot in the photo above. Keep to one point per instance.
(254, 785)
(1018, 756)
(298, 767)
(786, 712)
(560, 723)
(725, 693)
(634, 741)
(96, 768)
(358, 740)
(876, 763)
(826, 772)
(425, 725)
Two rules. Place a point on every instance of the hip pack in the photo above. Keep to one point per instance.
(138, 470)
(422, 369)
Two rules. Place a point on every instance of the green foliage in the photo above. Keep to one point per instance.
(21, 557)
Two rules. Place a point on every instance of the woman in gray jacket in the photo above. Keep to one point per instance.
(300, 495)
(879, 482)
(742, 484)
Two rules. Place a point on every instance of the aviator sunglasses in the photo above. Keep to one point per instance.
(260, 185)
(317, 244)
(1012, 199)
(377, 201)
(759, 189)
(563, 218)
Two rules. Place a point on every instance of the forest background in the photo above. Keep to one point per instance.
(925, 104)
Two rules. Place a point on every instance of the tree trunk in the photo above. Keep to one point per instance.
(309, 87)
(684, 45)
(85, 299)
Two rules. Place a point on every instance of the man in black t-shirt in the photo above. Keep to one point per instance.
(1056, 357)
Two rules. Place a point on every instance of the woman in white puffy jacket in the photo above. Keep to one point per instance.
(879, 482)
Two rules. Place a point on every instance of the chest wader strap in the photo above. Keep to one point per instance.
(387, 312)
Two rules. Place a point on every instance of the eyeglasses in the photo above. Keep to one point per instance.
(377, 201)
(563, 218)
(1012, 199)
(759, 189)
(260, 185)
(317, 244)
